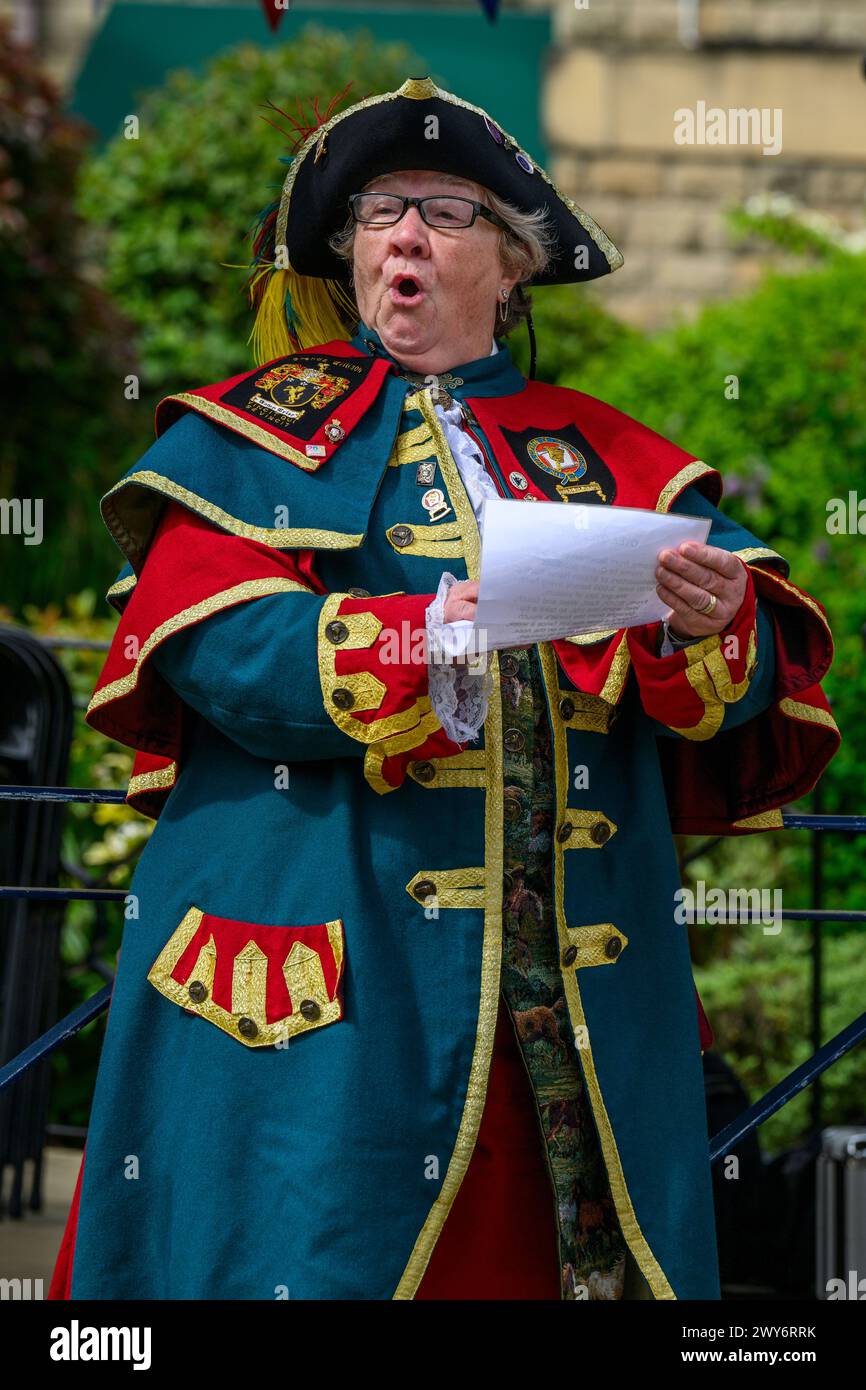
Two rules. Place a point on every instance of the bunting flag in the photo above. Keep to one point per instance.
(274, 11)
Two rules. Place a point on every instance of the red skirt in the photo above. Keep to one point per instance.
(500, 1239)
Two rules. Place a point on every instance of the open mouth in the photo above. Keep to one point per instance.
(406, 290)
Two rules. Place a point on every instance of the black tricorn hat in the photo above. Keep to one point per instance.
(420, 126)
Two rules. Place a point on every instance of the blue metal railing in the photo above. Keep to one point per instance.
(56, 1036)
(720, 1144)
(790, 1086)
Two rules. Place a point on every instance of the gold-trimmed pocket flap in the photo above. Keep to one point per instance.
(263, 985)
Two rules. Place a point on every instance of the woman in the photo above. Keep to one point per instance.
(365, 838)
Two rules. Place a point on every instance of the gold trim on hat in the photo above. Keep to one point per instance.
(419, 88)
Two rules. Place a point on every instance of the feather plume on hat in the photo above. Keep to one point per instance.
(293, 311)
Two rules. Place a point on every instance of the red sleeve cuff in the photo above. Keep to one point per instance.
(373, 670)
(688, 690)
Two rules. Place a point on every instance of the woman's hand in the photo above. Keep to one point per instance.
(688, 576)
(461, 601)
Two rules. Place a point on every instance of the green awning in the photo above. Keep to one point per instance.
(497, 66)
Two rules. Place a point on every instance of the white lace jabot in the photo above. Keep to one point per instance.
(459, 694)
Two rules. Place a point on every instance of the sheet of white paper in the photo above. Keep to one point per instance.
(560, 569)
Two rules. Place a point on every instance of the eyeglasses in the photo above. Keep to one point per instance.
(384, 209)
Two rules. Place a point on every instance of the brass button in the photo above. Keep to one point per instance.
(514, 740)
(599, 832)
(197, 991)
(336, 631)
(247, 1028)
(566, 707)
(310, 1009)
(425, 772)
(569, 955)
(508, 665)
(424, 888)
(564, 831)
(358, 593)
(612, 947)
(512, 807)
(342, 698)
(402, 535)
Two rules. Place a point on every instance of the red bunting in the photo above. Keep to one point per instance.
(274, 11)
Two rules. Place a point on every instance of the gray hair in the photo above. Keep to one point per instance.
(525, 249)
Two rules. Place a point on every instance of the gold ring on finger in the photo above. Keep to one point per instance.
(710, 605)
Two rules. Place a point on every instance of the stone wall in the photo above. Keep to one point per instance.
(61, 30)
(834, 23)
(620, 71)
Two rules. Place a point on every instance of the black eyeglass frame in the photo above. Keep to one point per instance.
(478, 209)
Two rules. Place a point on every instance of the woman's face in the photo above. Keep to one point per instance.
(450, 317)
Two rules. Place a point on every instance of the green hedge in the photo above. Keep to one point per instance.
(173, 206)
(758, 1001)
(63, 415)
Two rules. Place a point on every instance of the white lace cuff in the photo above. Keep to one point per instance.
(459, 693)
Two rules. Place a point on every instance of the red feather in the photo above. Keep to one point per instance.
(304, 125)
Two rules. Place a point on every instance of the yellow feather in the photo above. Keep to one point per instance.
(323, 308)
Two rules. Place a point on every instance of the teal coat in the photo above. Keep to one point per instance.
(325, 1167)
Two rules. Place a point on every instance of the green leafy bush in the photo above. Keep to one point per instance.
(63, 416)
(172, 207)
(758, 1001)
